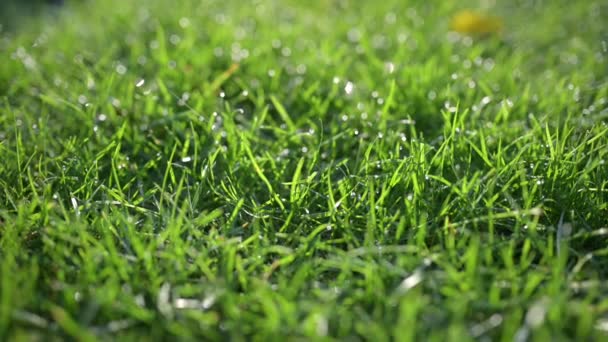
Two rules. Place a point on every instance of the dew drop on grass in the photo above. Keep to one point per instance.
(184, 22)
(75, 206)
(488, 64)
(449, 107)
(121, 69)
(140, 82)
(208, 302)
(175, 39)
(354, 35)
(349, 87)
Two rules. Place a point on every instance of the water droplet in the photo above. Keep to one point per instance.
(140, 82)
(389, 67)
(208, 302)
(121, 69)
(354, 35)
(174, 39)
(184, 22)
(349, 87)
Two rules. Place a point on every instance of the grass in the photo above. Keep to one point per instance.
(328, 170)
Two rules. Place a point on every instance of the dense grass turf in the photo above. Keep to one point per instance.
(339, 169)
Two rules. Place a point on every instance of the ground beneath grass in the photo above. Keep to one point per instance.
(333, 169)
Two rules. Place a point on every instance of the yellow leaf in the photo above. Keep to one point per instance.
(475, 23)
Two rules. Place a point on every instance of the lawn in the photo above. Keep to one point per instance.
(303, 170)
